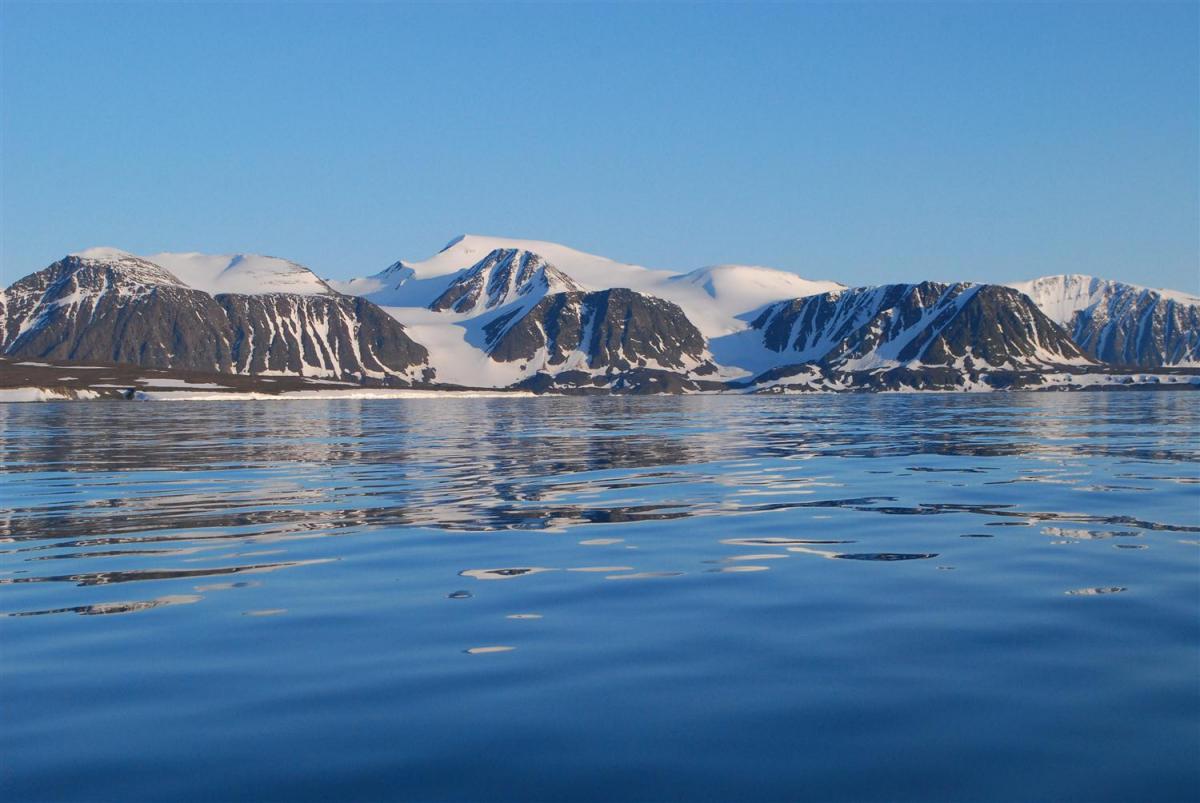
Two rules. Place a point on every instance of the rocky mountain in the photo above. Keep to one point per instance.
(472, 281)
(504, 276)
(964, 330)
(319, 336)
(614, 330)
(524, 314)
(1120, 323)
(107, 306)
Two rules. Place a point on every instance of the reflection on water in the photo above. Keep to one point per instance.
(502, 574)
(311, 568)
(881, 556)
(106, 578)
(487, 650)
(100, 608)
(535, 464)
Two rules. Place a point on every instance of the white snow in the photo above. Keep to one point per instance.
(405, 283)
(103, 253)
(251, 274)
(596, 272)
(1100, 380)
(328, 395)
(457, 361)
(1060, 297)
(43, 394)
(178, 383)
(714, 297)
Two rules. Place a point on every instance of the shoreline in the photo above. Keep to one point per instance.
(29, 381)
(29, 394)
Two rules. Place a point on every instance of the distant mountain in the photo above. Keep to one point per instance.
(1122, 323)
(501, 313)
(108, 306)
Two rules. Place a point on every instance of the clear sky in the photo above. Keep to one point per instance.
(863, 143)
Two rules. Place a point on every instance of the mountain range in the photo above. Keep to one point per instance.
(490, 312)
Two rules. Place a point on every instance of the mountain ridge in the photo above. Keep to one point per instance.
(483, 312)
(1121, 323)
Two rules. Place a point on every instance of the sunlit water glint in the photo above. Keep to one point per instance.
(915, 597)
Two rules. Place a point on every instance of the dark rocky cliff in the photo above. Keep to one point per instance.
(618, 329)
(930, 324)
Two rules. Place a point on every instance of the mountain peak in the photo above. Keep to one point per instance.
(103, 253)
(1064, 294)
(503, 276)
(454, 241)
(1121, 323)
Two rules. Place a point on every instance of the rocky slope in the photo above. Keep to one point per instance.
(917, 335)
(611, 329)
(105, 306)
(1120, 323)
(504, 276)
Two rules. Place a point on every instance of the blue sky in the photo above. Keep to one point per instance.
(864, 143)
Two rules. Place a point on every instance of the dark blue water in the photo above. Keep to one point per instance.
(913, 597)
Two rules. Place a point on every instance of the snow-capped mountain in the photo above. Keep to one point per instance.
(970, 328)
(50, 313)
(592, 272)
(517, 316)
(1120, 323)
(408, 283)
(502, 277)
(109, 306)
(474, 278)
(501, 313)
(713, 297)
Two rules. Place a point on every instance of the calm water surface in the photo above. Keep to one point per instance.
(830, 598)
